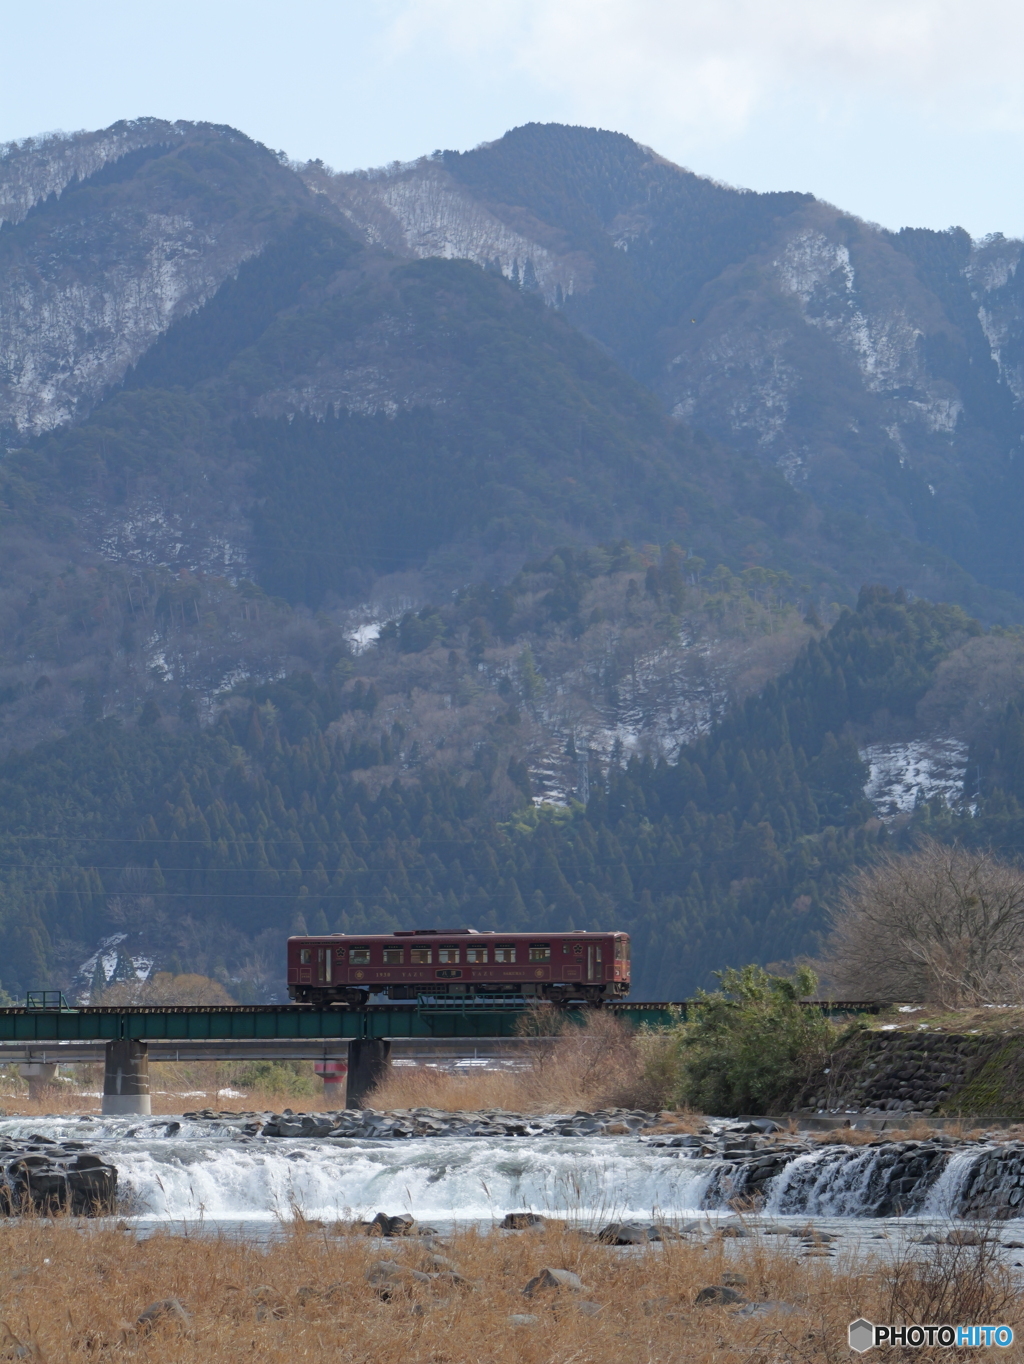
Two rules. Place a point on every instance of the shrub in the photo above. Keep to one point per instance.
(752, 1045)
(942, 926)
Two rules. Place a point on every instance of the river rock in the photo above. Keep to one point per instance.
(553, 1278)
(49, 1177)
(521, 1221)
(964, 1236)
(717, 1294)
(627, 1234)
(163, 1307)
(386, 1276)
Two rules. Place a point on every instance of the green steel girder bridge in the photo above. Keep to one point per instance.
(353, 1045)
(263, 1022)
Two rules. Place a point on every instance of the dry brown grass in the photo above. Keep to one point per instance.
(848, 1136)
(933, 1018)
(73, 1294)
(915, 1131)
(602, 1064)
(175, 1089)
(65, 1102)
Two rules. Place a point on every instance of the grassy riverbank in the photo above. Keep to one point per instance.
(175, 1088)
(75, 1294)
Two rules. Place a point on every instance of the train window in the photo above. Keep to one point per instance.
(505, 951)
(421, 956)
(622, 949)
(305, 955)
(477, 954)
(394, 956)
(448, 954)
(359, 956)
(540, 951)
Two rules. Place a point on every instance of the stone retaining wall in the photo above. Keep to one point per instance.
(979, 1075)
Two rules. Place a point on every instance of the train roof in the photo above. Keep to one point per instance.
(475, 932)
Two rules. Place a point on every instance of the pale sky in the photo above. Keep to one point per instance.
(901, 111)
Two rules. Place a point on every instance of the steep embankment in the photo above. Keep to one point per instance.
(954, 1074)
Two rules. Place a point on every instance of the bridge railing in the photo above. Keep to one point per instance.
(46, 999)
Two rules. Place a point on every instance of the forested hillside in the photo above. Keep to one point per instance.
(209, 844)
(880, 372)
(477, 542)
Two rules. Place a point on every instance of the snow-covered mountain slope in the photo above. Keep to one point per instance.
(110, 237)
(902, 775)
(881, 372)
(422, 211)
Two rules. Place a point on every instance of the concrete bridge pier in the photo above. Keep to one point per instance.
(126, 1078)
(335, 1077)
(368, 1062)
(41, 1077)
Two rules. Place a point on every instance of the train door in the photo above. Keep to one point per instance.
(595, 970)
(323, 966)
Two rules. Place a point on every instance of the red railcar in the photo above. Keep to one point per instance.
(347, 969)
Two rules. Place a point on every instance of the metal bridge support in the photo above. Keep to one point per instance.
(41, 1077)
(368, 1062)
(126, 1078)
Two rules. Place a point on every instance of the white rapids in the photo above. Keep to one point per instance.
(190, 1171)
(205, 1172)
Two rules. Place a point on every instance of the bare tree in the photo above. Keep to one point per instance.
(941, 925)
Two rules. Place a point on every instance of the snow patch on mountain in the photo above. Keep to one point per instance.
(67, 336)
(900, 775)
(752, 366)
(421, 212)
(109, 962)
(821, 274)
(992, 272)
(35, 168)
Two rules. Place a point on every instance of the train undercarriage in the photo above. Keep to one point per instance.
(551, 993)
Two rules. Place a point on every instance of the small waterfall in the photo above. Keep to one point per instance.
(946, 1197)
(903, 1178)
(838, 1181)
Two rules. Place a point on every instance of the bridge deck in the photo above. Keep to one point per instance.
(243, 1022)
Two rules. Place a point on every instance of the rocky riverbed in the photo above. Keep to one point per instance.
(436, 1122)
(45, 1176)
(603, 1167)
(756, 1165)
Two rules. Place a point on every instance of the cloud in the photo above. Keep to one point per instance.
(708, 69)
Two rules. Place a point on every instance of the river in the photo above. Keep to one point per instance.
(188, 1172)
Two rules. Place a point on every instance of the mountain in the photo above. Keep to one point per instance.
(465, 539)
(879, 372)
(202, 495)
